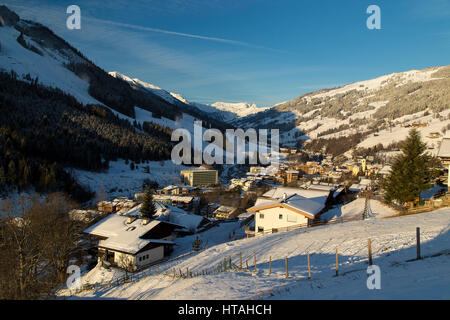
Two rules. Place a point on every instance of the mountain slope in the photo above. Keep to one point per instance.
(34, 51)
(222, 111)
(373, 107)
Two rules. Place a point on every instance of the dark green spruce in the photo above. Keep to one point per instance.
(148, 209)
(412, 170)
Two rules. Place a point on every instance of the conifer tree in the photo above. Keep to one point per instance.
(148, 209)
(411, 171)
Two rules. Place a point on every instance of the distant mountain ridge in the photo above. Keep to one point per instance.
(223, 111)
(364, 110)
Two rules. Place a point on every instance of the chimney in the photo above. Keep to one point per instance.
(284, 196)
(130, 219)
(145, 221)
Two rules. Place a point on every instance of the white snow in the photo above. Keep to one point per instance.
(48, 68)
(356, 207)
(393, 243)
(220, 110)
(120, 180)
(380, 82)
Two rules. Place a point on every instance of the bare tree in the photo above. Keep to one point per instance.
(37, 239)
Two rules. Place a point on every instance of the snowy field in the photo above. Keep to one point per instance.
(393, 244)
(356, 207)
(120, 180)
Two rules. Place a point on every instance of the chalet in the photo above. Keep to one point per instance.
(286, 207)
(187, 202)
(444, 155)
(226, 212)
(170, 190)
(106, 207)
(385, 171)
(434, 135)
(289, 211)
(419, 124)
(130, 242)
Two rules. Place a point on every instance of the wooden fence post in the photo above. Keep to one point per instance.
(270, 264)
(418, 243)
(309, 269)
(255, 263)
(240, 260)
(369, 243)
(246, 262)
(337, 263)
(287, 270)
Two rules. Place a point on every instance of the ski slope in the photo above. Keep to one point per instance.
(393, 244)
(120, 180)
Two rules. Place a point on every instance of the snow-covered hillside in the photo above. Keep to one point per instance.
(382, 108)
(393, 245)
(120, 180)
(48, 68)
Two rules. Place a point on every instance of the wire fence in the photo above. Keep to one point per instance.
(240, 263)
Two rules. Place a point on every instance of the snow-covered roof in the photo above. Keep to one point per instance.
(308, 205)
(357, 187)
(277, 193)
(297, 203)
(365, 182)
(182, 218)
(170, 187)
(444, 149)
(321, 187)
(123, 236)
(163, 197)
(225, 209)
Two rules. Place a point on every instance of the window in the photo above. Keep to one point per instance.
(146, 256)
(260, 229)
(261, 215)
(280, 216)
(140, 258)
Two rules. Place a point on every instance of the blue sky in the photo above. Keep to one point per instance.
(259, 51)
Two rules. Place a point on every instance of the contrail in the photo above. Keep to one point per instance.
(181, 34)
(174, 33)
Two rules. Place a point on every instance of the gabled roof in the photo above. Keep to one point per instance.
(308, 207)
(277, 193)
(123, 236)
(444, 148)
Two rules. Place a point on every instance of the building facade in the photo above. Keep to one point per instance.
(200, 177)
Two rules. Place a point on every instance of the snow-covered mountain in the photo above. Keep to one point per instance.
(33, 51)
(223, 111)
(381, 110)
